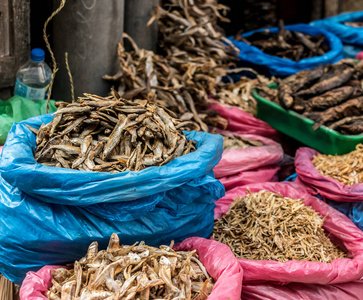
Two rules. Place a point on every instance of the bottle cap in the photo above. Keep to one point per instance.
(37, 55)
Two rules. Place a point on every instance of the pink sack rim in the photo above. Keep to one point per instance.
(239, 120)
(234, 161)
(216, 257)
(326, 186)
(342, 230)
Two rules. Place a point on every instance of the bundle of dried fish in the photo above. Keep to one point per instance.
(330, 95)
(354, 24)
(196, 47)
(132, 272)
(191, 26)
(287, 44)
(111, 134)
(176, 84)
(267, 226)
(347, 168)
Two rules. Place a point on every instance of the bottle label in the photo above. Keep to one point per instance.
(30, 92)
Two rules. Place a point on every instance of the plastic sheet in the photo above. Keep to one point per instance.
(342, 232)
(216, 257)
(243, 122)
(347, 34)
(238, 160)
(283, 67)
(327, 187)
(17, 109)
(50, 215)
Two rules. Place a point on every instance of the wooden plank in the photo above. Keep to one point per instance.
(331, 8)
(14, 17)
(4, 29)
(351, 5)
(137, 14)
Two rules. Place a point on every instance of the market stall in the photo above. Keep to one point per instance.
(168, 177)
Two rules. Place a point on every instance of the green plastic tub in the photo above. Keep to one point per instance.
(323, 139)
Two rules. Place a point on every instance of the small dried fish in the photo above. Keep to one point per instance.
(132, 272)
(267, 226)
(123, 140)
(347, 168)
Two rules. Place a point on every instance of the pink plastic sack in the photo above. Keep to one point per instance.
(263, 174)
(36, 284)
(238, 160)
(1, 149)
(359, 55)
(239, 120)
(325, 186)
(342, 232)
(218, 259)
(303, 291)
(220, 263)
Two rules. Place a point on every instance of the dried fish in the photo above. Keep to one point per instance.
(347, 168)
(354, 24)
(124, 140)
(233, 142)
(267, 226)
(132, 272)
(330, 95)
(287, 44)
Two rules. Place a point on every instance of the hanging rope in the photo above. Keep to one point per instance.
(70, 76)
(55, 69)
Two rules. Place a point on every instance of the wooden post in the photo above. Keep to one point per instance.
(137, 14)
(14, 42)
(89, 31)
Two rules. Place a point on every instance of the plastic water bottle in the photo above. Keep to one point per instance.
(33, 78)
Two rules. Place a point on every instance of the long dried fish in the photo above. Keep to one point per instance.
(132, 272)
(287, 44)
(124, 139)
(267, 226)
(330, 95)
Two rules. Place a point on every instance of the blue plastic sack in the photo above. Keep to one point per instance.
(50, 215)
(283, 67)
(351, 37)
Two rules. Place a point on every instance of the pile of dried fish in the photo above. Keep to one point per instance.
(235, 142)
(347, 168)
(267, 226)
(111, 134)
(354, 24)
(132, 272)
(287, 44)
(330, 95)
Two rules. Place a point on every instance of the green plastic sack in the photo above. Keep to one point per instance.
(17, 109)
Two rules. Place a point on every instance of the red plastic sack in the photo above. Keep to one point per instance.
(342, 232)
(218, 259)
(264, 174)
(303, 291)
(243, 122)
(237, 160)
(325, 186)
